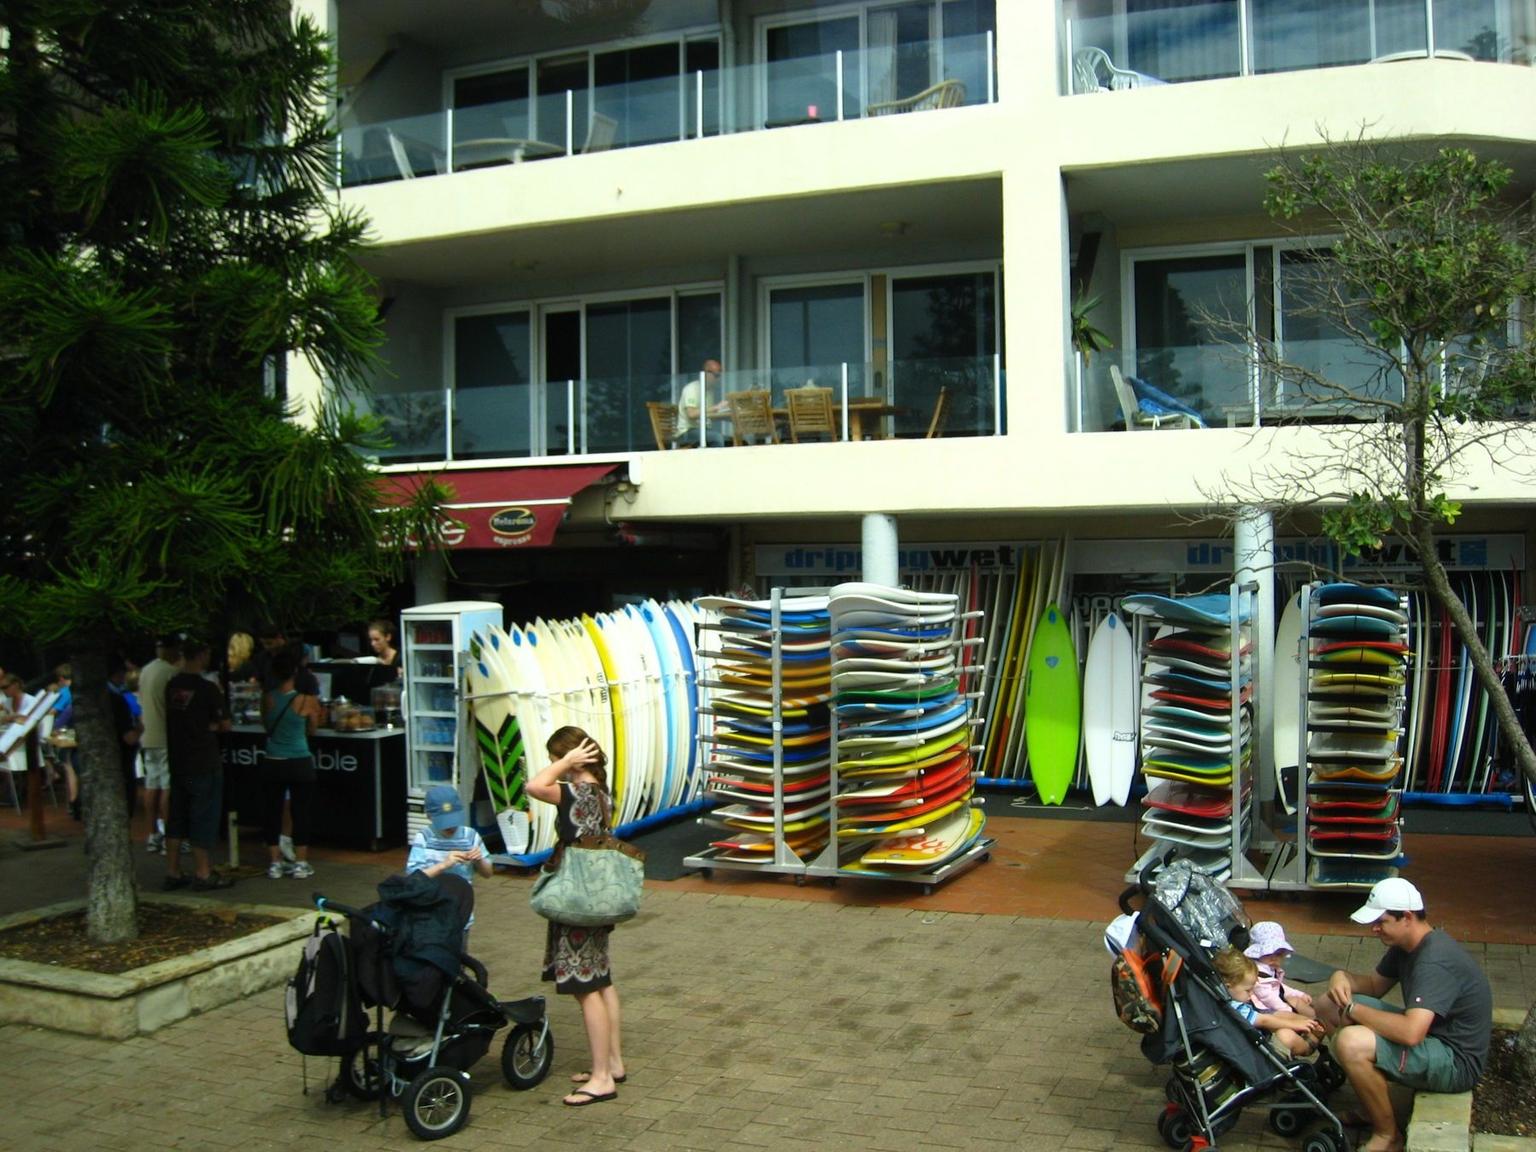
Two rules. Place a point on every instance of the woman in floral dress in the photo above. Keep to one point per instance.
(576, 959)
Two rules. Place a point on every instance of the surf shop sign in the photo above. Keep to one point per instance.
(847, 560)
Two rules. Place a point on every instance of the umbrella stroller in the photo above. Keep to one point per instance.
(1221, 1063)
(406, 954)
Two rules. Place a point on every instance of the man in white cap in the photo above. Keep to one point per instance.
(1437, 1041)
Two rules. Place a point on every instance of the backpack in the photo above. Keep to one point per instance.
(1134, 980)
(322, 1009)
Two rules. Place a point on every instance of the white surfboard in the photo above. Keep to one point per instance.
(1109, 711)
(1287, 696)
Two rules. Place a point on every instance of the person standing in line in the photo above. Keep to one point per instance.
(576, 959)
(1438, 1041)
(129, 728)
(290, 717)
(153, 679)
(195, 713)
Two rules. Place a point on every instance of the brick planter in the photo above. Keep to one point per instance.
(144, 1000)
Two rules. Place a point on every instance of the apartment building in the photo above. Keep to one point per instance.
(581, 204)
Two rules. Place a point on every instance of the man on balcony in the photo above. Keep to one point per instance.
(701, 393)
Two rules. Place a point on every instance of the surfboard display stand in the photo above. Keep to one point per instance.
(1197, 727)
(839, 738)
(629, 678)
(1354, 652)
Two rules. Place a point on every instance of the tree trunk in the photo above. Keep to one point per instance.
(1482, 662)
(111, 908)
(1525, 1049)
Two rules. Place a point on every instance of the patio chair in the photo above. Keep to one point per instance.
(1094, 71)
(401, 150)
(811, 413)
(944, 94)
(601, 132)
(1140, 414)
(752, 417)
(664, 424)
(940, 414)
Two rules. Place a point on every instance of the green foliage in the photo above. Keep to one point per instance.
(1086, 337)
(169, 232)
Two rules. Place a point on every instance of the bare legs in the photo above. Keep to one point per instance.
(600, 1014)
(1355, 1049)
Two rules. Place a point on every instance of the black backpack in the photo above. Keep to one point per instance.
(324, 1015)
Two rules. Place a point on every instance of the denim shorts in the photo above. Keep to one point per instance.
(196, 801)
(1429, 1065)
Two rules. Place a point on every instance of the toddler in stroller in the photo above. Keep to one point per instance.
(1221, 1062)
(407, 957)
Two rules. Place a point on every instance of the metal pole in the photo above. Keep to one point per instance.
(570, 119)
(845, 400)
(880, 562)
(839, 83)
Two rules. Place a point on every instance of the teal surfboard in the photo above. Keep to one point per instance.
(1052, 707)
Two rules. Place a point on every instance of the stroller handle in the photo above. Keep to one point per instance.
(326, 904)
(1143, 883)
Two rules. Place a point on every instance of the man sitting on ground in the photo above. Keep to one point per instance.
(1437, 1041)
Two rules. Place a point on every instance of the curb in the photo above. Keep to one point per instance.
(1443, 1122)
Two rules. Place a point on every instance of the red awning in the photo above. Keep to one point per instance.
(503, 507)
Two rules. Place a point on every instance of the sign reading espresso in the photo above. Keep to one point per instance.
(512, 526)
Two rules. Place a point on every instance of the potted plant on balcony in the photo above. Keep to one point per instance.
(1087, 338)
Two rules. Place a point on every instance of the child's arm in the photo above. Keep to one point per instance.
(1274, 1021)
(478, 856)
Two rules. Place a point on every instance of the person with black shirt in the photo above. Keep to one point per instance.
(195, 714)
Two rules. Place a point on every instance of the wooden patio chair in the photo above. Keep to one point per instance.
(940, 413)
(664, 424)
(811, 413)
(752, 417)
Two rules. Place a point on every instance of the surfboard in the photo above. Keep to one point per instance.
(1053, 707)
(929, 849)
(1109, 711)
(1211, 611)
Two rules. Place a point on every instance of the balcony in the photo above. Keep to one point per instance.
(614, 97)
(1113, 45)
(603, 417)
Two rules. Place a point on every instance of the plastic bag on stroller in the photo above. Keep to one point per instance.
(1206, 909)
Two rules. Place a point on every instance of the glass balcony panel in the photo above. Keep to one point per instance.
(1178, 40)
(414, 423)
(492, 422)
(615, 416)
(398, 149)
(1494, 30)
(968, 387)
(498, 133)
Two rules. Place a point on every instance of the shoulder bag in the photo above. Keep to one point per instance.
(590, 882)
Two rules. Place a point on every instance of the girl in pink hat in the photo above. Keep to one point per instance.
(1268, 948)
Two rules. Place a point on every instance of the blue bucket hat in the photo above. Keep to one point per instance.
(444, 808)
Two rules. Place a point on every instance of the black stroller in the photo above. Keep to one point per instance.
(1221, 1063)
(407, 956)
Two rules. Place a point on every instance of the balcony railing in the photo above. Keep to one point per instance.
(816, 89)
(899, 400)
(1182, 41)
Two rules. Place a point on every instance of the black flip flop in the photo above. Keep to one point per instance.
(591, 1098)
(588, 1076)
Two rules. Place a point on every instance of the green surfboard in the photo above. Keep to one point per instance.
(1053, 707)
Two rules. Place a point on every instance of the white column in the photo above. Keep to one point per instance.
(1253, 560)
(431, 578)
(880, 563)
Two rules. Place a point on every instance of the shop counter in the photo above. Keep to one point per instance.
(359, 784)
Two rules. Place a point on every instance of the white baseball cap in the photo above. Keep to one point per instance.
(1393, 894)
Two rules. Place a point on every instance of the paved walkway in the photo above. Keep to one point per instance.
(806, 1017)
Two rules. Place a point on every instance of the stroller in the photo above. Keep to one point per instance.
(1221, 1063)
(406, 954)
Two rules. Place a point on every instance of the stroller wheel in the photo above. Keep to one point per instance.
(360, 1077)
(524, 1060)
(436, 1103)
(1324, 1140)
(1287, 1121)
(1175, 1129)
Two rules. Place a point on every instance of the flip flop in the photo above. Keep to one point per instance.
(591, 1098)
(583, 1077)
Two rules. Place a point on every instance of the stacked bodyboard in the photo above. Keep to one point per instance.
(1196, 726)
(1356, 668)
(905, 772)
(769, 752)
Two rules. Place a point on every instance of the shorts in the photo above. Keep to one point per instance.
(197, 798)
(1428, 1066)
(157, 767)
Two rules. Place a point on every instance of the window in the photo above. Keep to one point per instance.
(1189, 313)
(812, 331)
(493, 395)
(802, 76)
(943, 336)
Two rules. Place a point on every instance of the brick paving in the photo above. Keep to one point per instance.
(805, 1017)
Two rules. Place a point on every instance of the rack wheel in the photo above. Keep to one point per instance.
(707, 873)
(524, 1060)
(436, 1103)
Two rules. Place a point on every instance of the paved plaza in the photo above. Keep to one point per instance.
(815, 1018)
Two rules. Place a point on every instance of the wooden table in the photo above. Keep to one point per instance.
(860, 408)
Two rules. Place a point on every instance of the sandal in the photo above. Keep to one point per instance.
(583, 1077)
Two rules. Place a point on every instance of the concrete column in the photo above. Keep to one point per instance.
(431, 578)
(880, 562)
(1253, 559)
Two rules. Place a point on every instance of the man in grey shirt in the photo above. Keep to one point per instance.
(1437, 1041)
(153, 678)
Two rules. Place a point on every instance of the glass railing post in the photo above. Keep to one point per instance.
(570, 119)
(340, 174)
(570, 422)
(844, 379)
(704, 406)
(839, 84)
(992, 71)
(447, 423)
(448, 140)
(997, 394)
(698, 104)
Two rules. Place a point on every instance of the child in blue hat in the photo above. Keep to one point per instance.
(452, 845)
